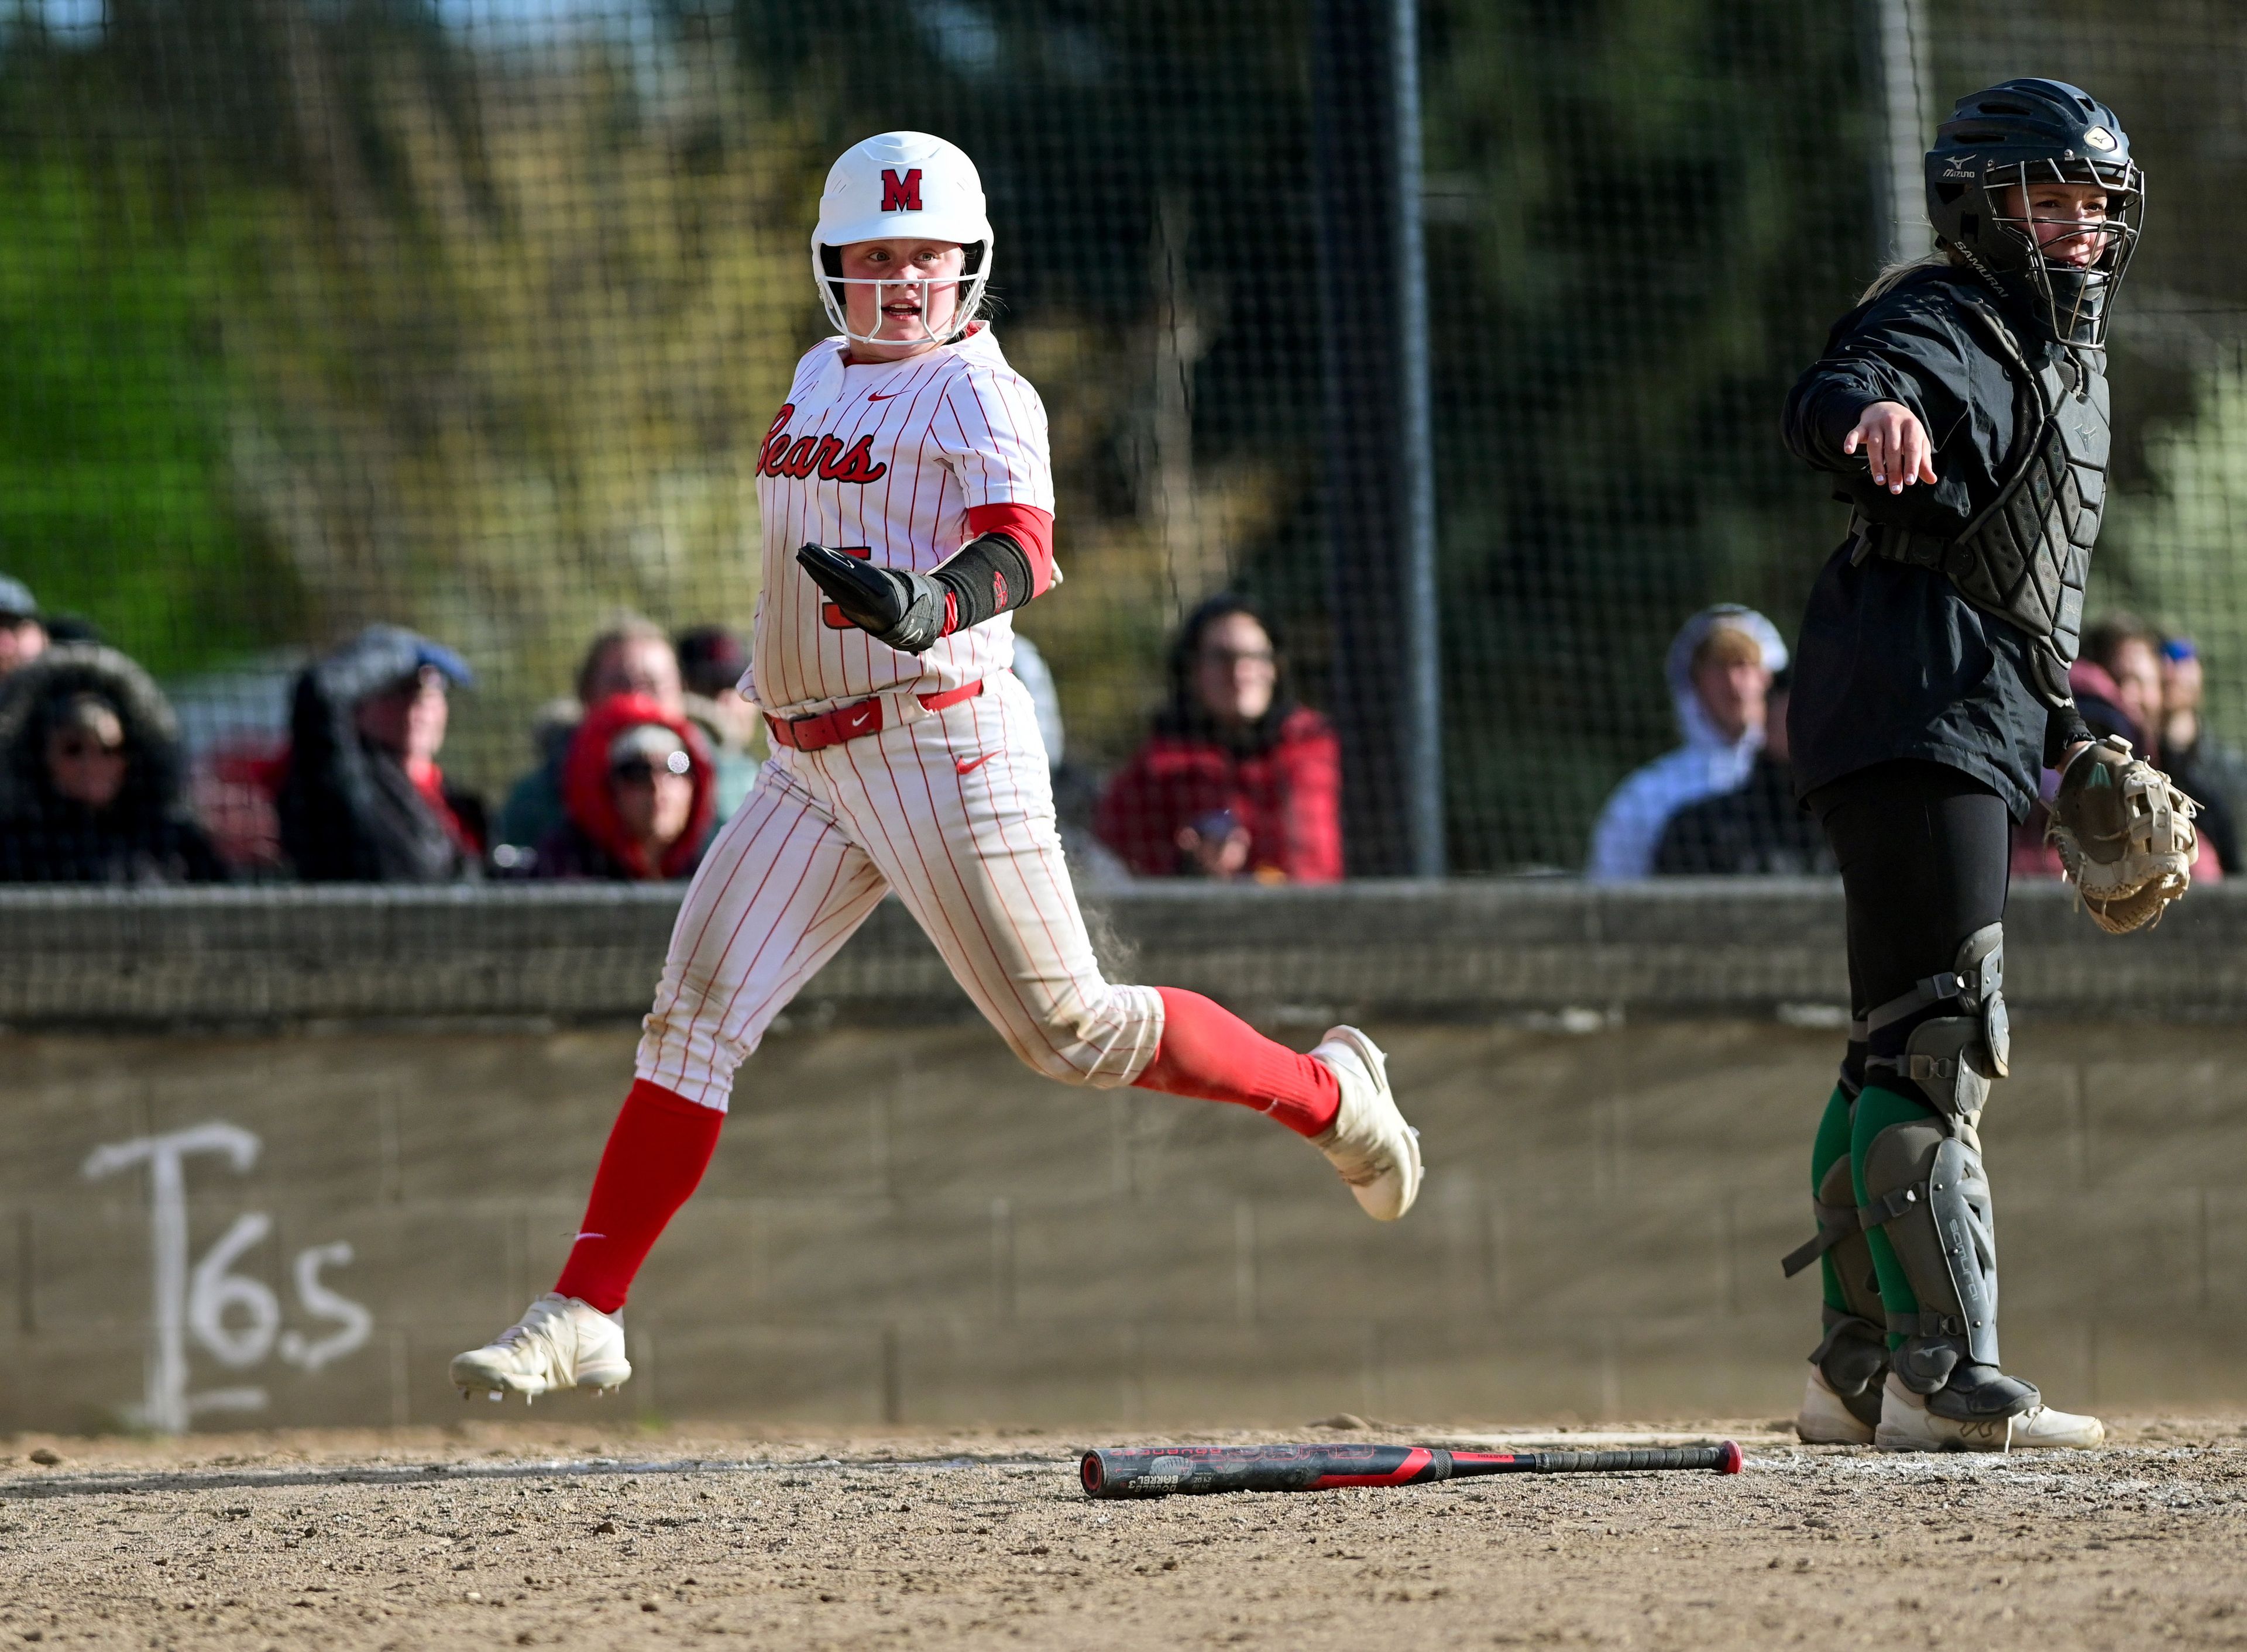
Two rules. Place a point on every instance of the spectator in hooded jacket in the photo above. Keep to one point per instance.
(364, 800)
(639, 793)
(631, 657)
(91, 785)
(1237, 779)
(1756, 828)
(1719, 668)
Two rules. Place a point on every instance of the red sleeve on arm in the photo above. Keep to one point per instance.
(1027, 526)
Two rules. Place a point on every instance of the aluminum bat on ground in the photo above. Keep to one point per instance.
(1168, 1471)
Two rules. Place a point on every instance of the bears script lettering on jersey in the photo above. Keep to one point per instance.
(909, 459)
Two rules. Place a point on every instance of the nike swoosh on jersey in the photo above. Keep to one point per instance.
(969, 764)
(875, 395)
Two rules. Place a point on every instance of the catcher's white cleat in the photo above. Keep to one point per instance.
(1825, 1418)
(559, 1343)
(1908, 1425)
(1376, 1152)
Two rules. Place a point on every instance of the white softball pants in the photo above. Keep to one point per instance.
(954, 811)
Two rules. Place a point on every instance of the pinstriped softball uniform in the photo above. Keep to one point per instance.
(939, 433)
(953, 809)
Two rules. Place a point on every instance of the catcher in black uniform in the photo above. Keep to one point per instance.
(1963, 406)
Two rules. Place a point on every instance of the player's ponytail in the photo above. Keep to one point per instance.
(1892, 276)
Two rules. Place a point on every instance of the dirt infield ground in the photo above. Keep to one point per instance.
(504, 1534)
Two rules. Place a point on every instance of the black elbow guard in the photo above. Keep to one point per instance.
(990, 575)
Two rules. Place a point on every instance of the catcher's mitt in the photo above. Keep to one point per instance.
(2125, 834)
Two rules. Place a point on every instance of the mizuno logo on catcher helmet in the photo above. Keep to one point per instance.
(900, 194)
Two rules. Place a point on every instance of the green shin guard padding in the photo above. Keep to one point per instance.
(1832, 1143)
(1876, 1109)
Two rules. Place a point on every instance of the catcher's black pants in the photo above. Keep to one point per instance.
(1924, 851)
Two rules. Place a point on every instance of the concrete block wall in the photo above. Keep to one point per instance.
(904, 1226)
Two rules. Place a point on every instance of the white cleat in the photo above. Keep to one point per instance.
(1825, 1418)
(1908, 1425)
(559, 1343)
(1376, 1152)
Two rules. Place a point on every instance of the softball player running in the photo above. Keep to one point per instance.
(907, 503)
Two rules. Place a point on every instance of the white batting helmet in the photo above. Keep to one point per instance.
(901, 184)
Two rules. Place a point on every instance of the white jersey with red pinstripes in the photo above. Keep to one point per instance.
(884, 460)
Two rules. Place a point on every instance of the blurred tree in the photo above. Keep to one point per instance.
(115, 500)
(1645, 214)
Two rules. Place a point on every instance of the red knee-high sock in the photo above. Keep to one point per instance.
(1209, 1052)
(658, 1150)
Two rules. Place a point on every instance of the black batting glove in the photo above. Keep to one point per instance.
(905, 611)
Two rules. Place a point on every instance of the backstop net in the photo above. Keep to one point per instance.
(471, 316)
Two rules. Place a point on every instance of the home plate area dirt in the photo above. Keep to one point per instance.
(511, 1533)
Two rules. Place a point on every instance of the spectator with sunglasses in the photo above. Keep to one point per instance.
(638, 795)
(92, 786)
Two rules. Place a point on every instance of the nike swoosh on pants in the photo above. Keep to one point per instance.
(969, 764)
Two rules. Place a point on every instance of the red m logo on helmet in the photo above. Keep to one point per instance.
(900, 194)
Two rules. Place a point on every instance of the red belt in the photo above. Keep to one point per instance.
(861, 717)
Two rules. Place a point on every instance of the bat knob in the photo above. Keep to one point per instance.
(1729, 1459)
(1088, 1470)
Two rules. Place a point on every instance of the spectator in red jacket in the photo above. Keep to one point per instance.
(1237, 779)
(638, 795)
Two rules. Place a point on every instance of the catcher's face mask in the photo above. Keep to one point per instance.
(2074, 228)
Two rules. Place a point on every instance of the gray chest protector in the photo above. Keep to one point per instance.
(2027, 556)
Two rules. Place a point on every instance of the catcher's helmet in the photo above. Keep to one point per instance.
(909, 184)
(2014, 135)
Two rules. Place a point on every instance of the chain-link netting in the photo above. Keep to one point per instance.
(472, 318)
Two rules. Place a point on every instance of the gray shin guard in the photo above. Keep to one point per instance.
(1929, 1192)
(1853, 1356)
(1925, 1186)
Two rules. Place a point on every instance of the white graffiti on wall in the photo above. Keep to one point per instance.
(233, 1317)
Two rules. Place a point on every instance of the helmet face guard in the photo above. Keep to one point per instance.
(968, 285)
(1996, 149)
(2068, 298)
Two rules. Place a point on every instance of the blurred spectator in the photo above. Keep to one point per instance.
(1092, 864)
(1757, 829)
(1037, 680)
(92, 786)
(1237, 779)
(641, 793)
(364, 800)
(2210, 774)
(23, 632)
(631, 657)
(2130, 653)
(712, 659)
(1719, 669)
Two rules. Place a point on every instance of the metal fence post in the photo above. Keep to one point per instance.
(1378, 448)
